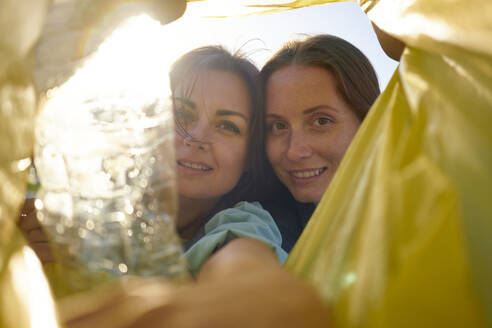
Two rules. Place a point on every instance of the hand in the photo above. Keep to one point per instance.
(33, 232)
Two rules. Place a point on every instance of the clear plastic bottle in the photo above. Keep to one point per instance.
(107, 196)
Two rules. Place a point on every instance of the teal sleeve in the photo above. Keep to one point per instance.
(243, 220)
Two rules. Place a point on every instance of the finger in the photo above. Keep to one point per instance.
(28, 205)
(43, 251)
(36, 236)
(28, 221)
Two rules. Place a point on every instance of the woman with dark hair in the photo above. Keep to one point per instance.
(186, 75)
(317, 92)
(218, 144)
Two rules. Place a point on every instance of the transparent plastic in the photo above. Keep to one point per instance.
(107, 196)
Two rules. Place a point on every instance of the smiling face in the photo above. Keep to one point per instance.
(211, 145)
(310, 127)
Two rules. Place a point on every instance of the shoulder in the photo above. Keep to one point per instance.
(244, 220)
(249, 213)
(254, 207)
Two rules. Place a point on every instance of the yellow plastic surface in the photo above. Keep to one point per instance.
(402, 237)
(25, 299)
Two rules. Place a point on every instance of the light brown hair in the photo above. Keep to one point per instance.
(355, 77)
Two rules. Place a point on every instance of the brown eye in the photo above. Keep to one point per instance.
(277, 126)
(322, 121)
(182, 115)
(228, 126)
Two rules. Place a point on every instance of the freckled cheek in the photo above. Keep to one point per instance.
(324, 147)
(333, 149)
(273, 149)
(178, 143)
(276, 149)
(234, 156)
(178, 139)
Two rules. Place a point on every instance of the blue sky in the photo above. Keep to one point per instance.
(143, 50)
(261, 35)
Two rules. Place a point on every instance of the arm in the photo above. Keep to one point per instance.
(240, 255)
(245, 221)
(240, 286)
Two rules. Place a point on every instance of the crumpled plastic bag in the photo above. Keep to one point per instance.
(402, 236)
(25, 299)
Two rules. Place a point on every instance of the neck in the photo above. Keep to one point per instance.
(192, 214)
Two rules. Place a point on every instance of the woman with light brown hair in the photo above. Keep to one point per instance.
(317, 93)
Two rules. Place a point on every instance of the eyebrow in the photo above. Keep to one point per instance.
(274, 116)
(315, 108)
(186, 101)
(220, 112)
(227, 112)
(306, 111)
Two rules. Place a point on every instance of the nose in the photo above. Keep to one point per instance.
(197, 136)
(298, 147)
(191, 141)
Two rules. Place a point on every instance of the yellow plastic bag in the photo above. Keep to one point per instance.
(402, 237)
(25, 299)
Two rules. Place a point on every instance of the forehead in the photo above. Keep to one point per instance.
(300, 85)
(213, 90)
(301, 78)
(210, 82)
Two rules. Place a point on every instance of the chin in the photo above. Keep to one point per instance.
(305, 197)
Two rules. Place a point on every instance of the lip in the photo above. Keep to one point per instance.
(184, 166)
(306, 180)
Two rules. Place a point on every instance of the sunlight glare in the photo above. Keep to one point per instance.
(130, 60)
(30, 282)
(128, 71)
